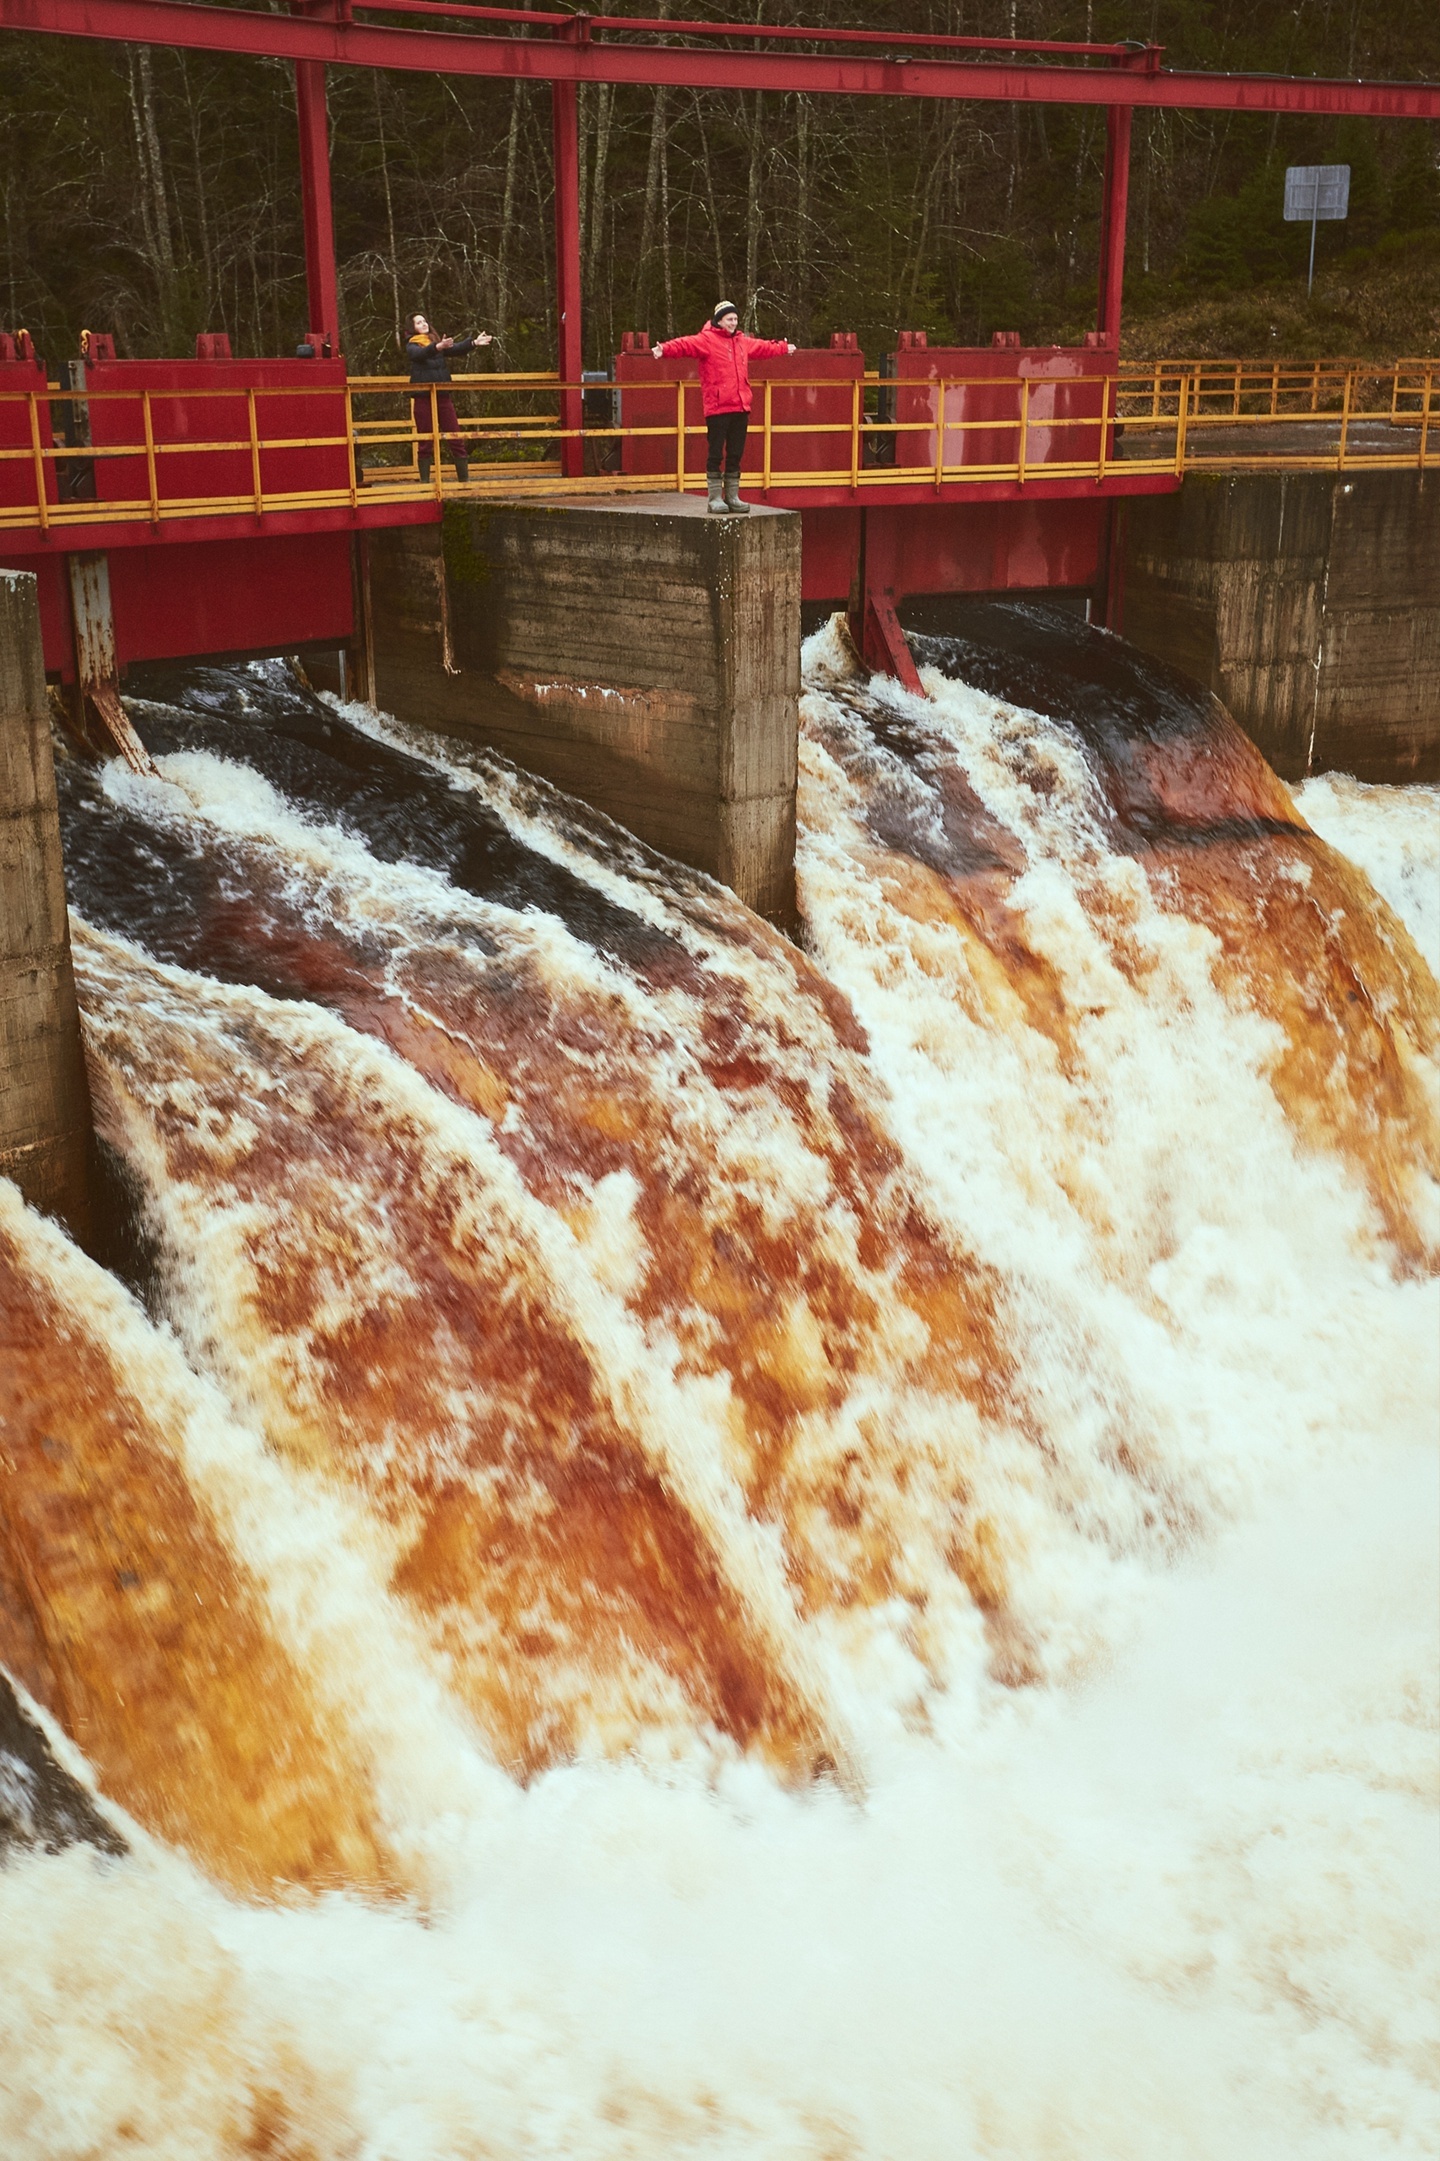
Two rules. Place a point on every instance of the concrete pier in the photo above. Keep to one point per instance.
(637, 652)
(44, 1099)
(1309, 602)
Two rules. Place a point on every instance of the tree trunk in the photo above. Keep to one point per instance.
(802, 215)
(752, 211)
(652, 204)
(202, 206)
(154, 206)
(711, 210)
(604, 106)
(507, 219)
(389, 220)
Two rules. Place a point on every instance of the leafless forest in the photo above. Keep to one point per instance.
(155, 194)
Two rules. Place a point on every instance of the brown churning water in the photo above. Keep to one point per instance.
(657, 1542)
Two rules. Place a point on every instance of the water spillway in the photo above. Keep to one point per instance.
(658, 1541)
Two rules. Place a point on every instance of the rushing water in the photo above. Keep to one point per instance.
(654, 1543)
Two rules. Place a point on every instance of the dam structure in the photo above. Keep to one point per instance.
(213, 506)
(719, 1254)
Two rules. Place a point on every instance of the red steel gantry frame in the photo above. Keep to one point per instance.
(567, 49)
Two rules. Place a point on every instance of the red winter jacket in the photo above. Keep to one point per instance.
(724, 365)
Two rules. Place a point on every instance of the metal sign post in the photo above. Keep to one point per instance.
(1315, 192)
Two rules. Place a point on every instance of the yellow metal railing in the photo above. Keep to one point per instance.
(1164, 418)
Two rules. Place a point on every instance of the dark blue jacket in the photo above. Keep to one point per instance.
(427, 363)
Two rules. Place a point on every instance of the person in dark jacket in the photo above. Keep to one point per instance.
(724, 352)
(430, 359)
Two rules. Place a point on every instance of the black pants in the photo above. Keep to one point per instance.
(725, 441)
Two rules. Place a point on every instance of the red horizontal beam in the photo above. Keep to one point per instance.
(671, 29)
(907, 495)
(112, 533)
(576, 59)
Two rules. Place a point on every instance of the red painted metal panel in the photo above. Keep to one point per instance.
(830, 549)
(55, 626)
(180, 417)
(982, 413)
(819, 406)
(273, 592)
(648, 400)
(188, 24)
(954, 548)
(797, 400)
(17, 467)
(997, 547)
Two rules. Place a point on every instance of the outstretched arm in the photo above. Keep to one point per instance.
(678, 349)
(767, 348)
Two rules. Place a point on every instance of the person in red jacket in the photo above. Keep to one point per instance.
(724, 352)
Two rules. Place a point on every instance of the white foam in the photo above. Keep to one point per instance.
(1178, 1901)
(1394, 836)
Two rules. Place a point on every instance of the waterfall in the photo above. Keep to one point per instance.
(646, 1540)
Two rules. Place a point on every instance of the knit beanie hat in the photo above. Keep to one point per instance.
(722, 307)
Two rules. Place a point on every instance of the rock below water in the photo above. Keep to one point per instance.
(42, 1804)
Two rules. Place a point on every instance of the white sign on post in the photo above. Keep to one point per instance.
(1313, 192)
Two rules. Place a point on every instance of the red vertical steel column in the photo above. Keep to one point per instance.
(1112, 220)
(571, 355)
(321, 285)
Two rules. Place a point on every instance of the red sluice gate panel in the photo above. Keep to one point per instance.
(811, 402)
(299, 412)
(970, 401)
(829, 552)
(20, 380)
(56, 632)
(954, 547)
(268, 594)
(997, 547)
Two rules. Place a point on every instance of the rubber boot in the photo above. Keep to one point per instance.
(462, 468)
(732, 497)
(716, 504)
(424, 464)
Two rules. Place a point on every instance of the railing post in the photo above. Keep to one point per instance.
(769, 387)
(1181, 415)
(1425, 416)
(1024, 427)
(857, 392)
(680, 438)
(150, 459)
(254, 454)
(37, 455)
(1345, 417)
(351, 446)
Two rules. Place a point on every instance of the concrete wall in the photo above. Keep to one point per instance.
(1309, 602)
(639, 653)
(44, 1101)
